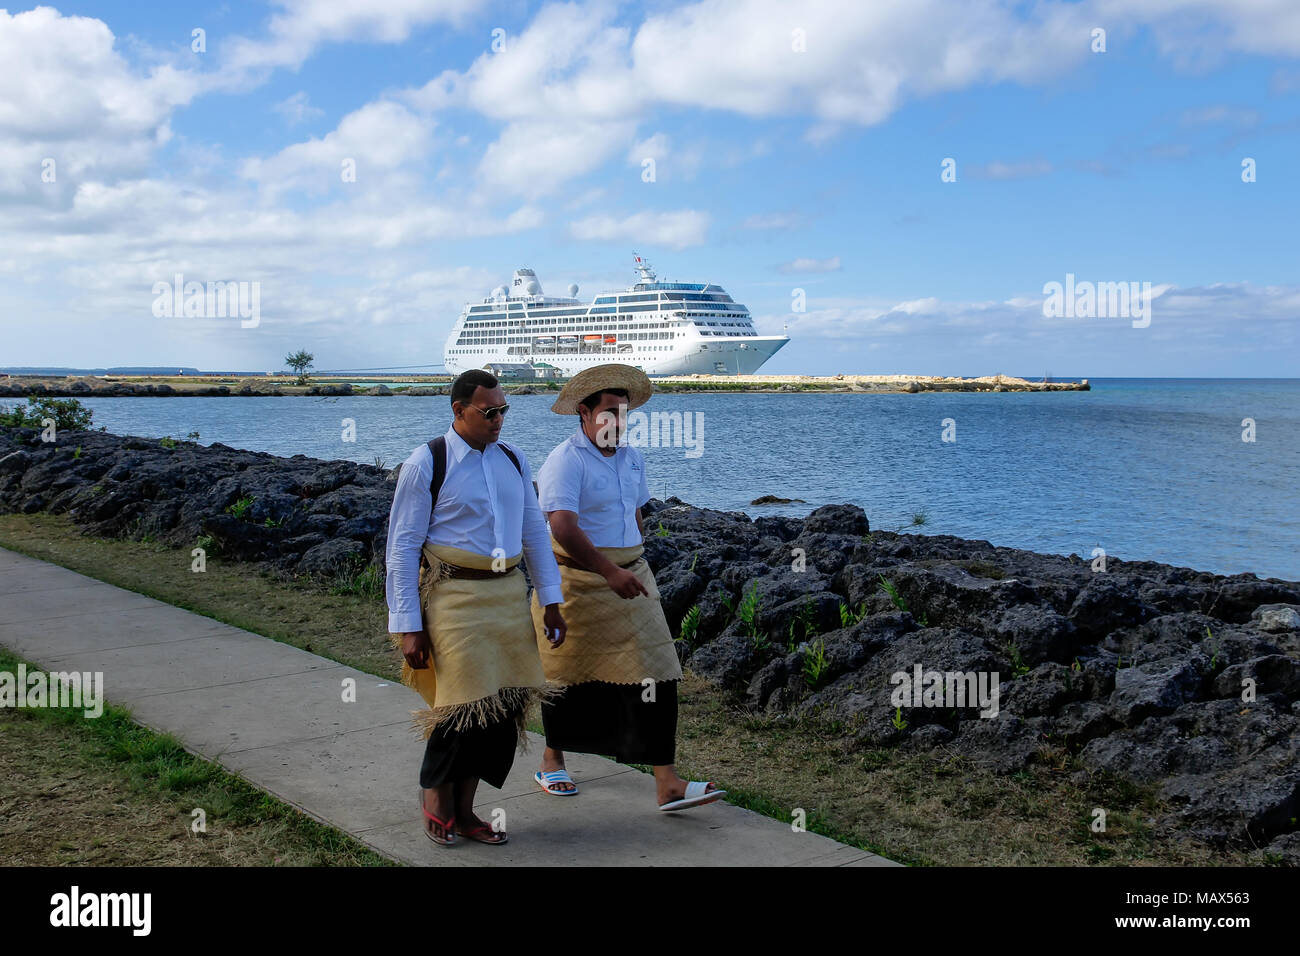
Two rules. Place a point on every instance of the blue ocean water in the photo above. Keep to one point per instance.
(1152, 469)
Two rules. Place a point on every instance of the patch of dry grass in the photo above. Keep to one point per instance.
(108, 792)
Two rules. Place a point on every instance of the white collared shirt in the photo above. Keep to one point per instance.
(483, 506)
(604, 491)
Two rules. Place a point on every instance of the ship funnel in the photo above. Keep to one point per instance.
(525, 283)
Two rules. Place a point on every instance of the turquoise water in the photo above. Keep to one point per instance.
(1151, 469)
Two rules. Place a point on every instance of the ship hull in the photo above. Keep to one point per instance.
(739, 356)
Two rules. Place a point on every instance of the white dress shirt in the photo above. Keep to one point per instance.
(604, 491)
(484, 506)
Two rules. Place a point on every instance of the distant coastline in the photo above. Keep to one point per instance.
(202, 386)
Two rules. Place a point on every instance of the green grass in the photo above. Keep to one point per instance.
(815, 663)
(690, 627)
(802, 623)
(892, 590)
(158, 766)
(367, 582)
(1018, 665)
(850, 616)
(747, 614)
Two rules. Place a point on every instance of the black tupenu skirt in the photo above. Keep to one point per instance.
(487, 753)
(614, 721)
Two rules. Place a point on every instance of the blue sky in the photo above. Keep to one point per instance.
(775, 169)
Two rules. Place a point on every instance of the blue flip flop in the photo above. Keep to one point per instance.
(552, 777)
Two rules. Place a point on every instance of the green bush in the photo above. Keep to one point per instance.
(68, 414)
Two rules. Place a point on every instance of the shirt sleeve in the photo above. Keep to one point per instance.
(408, 527)
(543, 570)
(643, 496)
(559, 483)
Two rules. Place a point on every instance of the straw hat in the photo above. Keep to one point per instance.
(600, 377)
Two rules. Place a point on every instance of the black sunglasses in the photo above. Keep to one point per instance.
(491, 413)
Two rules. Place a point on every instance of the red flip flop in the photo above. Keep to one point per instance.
(447, 826)
(483, 833)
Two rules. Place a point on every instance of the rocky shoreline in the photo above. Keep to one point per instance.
(1137, 670)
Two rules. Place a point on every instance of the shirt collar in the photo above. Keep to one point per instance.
(580, 438)
(457, 445)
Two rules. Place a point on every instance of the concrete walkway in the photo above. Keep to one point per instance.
(275, 716)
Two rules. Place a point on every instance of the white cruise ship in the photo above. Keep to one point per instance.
(663, 328)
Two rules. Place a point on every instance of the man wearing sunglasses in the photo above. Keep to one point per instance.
(464, 512)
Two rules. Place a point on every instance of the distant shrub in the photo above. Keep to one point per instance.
(68, 414)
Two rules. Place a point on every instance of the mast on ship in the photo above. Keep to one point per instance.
(643, 269)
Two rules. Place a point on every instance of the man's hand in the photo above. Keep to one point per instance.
(416, 649)
(625, 583)
(555, 626)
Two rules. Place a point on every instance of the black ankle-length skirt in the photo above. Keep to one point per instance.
(485, 752)
(614, 720)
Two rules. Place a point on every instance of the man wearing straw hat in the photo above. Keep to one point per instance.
(618, 663)
(463, 512)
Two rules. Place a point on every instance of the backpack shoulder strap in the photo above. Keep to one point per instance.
(437, 448)
(514, 460)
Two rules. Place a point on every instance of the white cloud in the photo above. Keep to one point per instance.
(1200, 32)
(575, 66)
(1220, 114)
(676, 230)
(810, 265)
(379, 137)
(655, 147)
(297, 108)
(1262, 317)
(670, 163)
(301, 26)
(535, 159)
(861, 59)
(68, 95)
(1026, 169)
